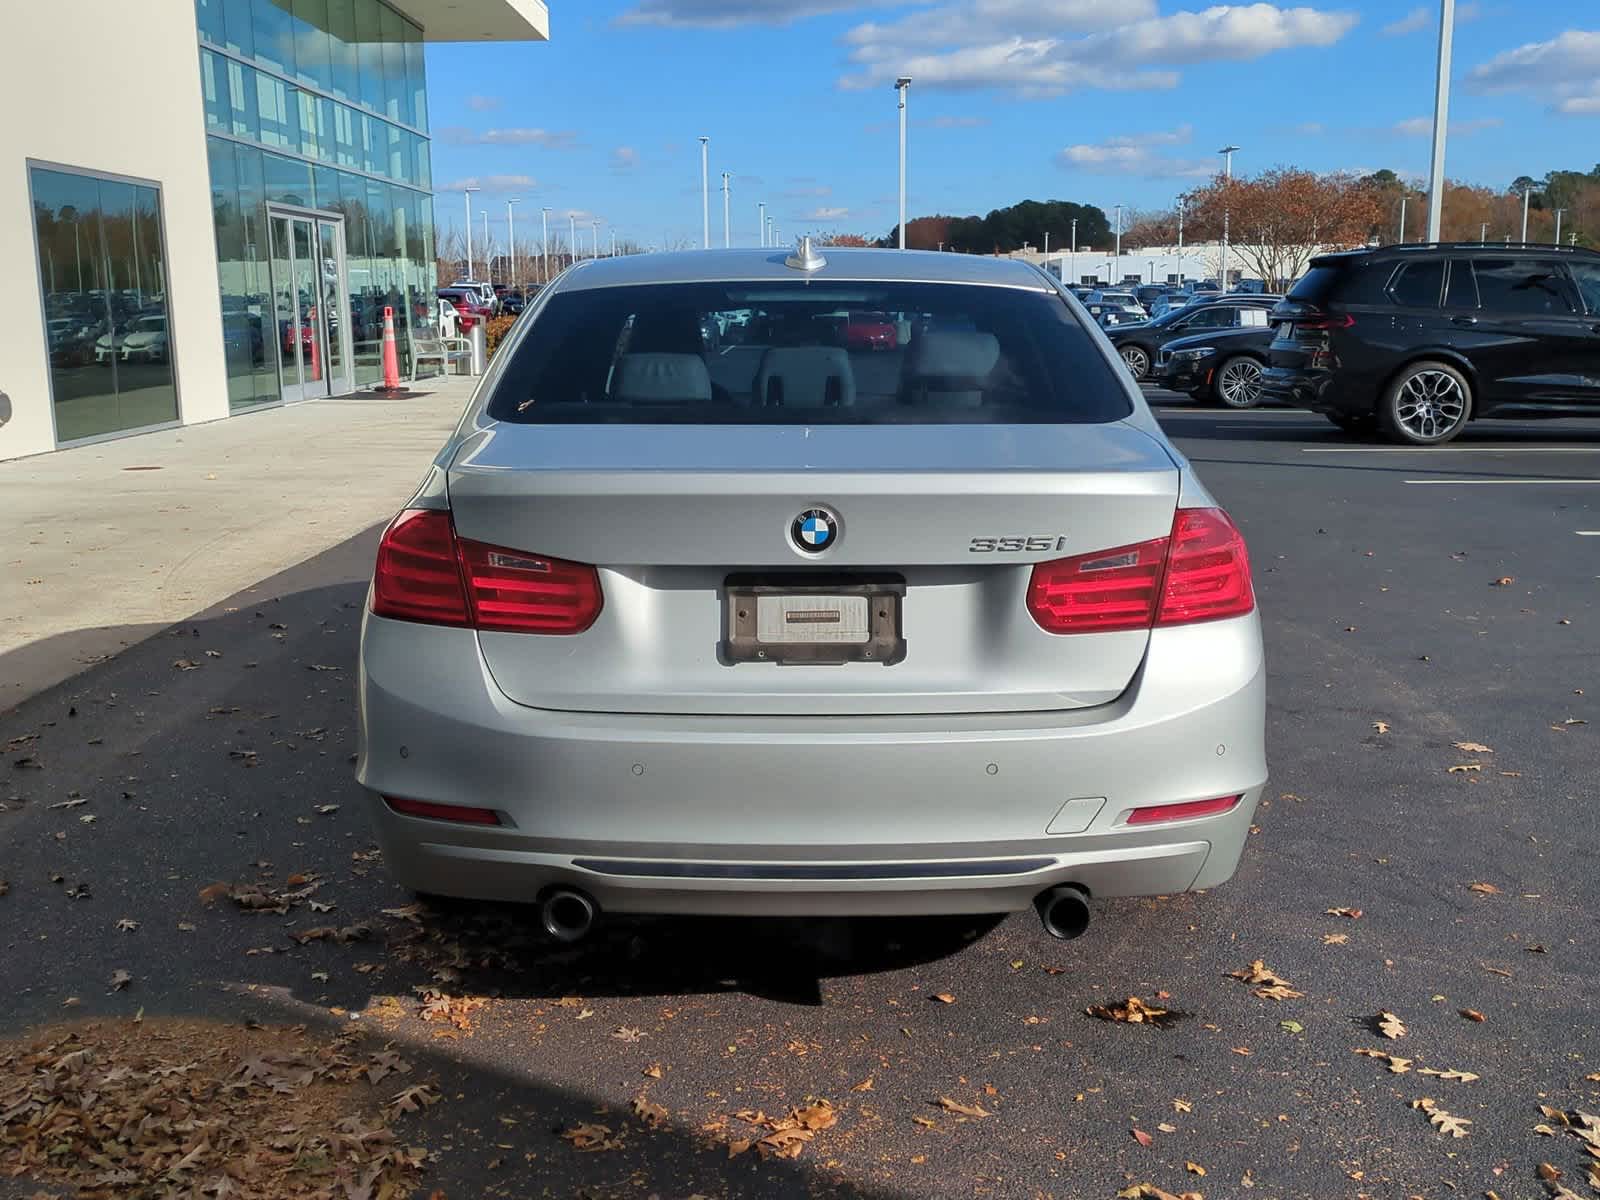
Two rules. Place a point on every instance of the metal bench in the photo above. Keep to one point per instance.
(448, 351)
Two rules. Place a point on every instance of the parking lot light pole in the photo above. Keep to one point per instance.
(727, 237)
(761, 221)
(1403, 217)
(1074, 247)
(1441, 117)
(1559, 211)
(1483, 232)
(511, 237)
(901, 86)
(544, 244)
(705, 194)
(1227, 174)
(488, 250)
(1526, 192)
(572, 237)
(468, 192)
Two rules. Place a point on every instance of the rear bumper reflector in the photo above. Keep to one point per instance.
(459, 813)
(1186, 811)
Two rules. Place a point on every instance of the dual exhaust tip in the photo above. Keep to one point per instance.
(568, 914)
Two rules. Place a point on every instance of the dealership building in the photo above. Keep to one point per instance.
(206, 205)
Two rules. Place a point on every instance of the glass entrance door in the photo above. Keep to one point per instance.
(311, 306)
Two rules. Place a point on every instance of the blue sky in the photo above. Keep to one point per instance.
(1098, 101)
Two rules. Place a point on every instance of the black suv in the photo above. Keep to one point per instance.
(1416, 340)
(1140, 344)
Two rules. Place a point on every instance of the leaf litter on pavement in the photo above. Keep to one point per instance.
(160, 1106)
(1134, 1011)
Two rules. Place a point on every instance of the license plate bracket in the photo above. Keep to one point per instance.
(814, 620)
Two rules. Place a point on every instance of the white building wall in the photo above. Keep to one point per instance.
(108, 86)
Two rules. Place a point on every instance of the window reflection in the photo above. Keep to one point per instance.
(102, 264)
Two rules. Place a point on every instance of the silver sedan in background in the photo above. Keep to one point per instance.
(770, 624)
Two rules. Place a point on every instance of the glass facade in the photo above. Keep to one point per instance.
(317, 104)
(103, 269)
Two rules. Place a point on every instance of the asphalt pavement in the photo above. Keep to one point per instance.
(1427, 850)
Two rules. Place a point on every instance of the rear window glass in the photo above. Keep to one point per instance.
(1417, 284)
(1356, 282)
(1462, 290)
(784, 353)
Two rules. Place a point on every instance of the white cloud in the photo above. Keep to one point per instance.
(457, 135)
(1564, 70)
(1026, 47)
(826, 214)
(1423, 126)
(484, 103)
(624, 158)
(799, 193)
(492, 183)
(729, 14)
(1414, 21)
(1133, 154)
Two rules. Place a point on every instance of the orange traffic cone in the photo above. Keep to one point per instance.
(391, 358)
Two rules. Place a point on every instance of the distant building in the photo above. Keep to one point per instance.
(191, 241)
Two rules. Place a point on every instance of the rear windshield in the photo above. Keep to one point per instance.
(1359, 281)
(781, 353)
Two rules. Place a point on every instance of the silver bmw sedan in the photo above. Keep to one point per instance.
(711, 606)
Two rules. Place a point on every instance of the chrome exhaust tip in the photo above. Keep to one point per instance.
(567, 914)
(1064, 911)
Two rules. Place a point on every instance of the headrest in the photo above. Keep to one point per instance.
(953, 355)
(662, 378)
(805, 377)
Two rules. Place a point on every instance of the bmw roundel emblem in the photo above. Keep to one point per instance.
(814, 531)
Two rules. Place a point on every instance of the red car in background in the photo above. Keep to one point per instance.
(468, 305)
(870, 331)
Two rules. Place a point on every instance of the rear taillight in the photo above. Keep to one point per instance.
(1208, 569)
(527, 593)
(1201, 572)
(1322, 320)
(418, 576)
(1186, 810)
(426, 573)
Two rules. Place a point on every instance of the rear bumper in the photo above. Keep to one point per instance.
(811, 815)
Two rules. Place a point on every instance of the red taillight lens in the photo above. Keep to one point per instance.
(527, 593)
(1325, 321)
(1208, 570)
(1200, 573)
(444, 812)
(425, 573)
(1100, 592)
(418, 577)
(1185, 811)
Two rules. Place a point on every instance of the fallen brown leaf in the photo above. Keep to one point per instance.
(1133, 1011)
(1485, 889)
(120, 979)
(1194, 1168)
(1464, 768)
(1390, 1025)
(966, 1110)
(592, 1138)
(1353, 913)
(1380, 727)
(1473, 1014)
(1472, 747)
(1456, 1076)
(943, 997)
(652, 1114)
(653, 1071)
(1143, 1138)
(1445, 1123)
(1397, 1065)
(1335, 939)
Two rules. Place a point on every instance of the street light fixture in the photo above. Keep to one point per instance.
(1526, 192)
(901, 86)
(705, 195)
(1559, 211)
(467, 191)
(1119, 241)
(761, 221)
(1441, 117)
(572, 236)
(594, 227)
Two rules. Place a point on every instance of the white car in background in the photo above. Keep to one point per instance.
(146, 339)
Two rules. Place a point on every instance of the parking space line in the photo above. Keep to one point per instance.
(1465, 482)
(1587, 532)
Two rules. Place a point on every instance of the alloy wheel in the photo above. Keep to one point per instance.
(1239, 383)
(1136, 360)
(1430, 405)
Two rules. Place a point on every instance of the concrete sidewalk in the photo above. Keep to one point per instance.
(103, 545)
